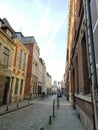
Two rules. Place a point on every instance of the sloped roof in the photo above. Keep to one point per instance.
(1, 20)
(7, 25)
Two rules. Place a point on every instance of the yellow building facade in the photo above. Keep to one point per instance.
(7, 51)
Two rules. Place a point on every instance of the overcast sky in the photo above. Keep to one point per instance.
(46, 20)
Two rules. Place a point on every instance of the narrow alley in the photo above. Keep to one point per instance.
(35, 116)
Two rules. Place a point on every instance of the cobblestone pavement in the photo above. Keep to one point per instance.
(36, 116)
(27, 118)
(65, 118)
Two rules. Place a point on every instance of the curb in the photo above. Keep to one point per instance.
(16, 109)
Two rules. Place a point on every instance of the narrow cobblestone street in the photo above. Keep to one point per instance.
(36, 116)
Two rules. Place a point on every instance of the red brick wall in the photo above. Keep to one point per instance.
(27, 85)
(29, 68)
(80, 70)
(30, 57)
(85, 68)
(76, 76)
(85, 106)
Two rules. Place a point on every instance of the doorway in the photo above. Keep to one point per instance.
(6, 90)
(39, 90)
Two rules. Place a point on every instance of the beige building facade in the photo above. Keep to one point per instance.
(7, 52)
(13, 65)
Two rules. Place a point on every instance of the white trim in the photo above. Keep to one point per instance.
(84, 97)
(95, 26)
(96, 65)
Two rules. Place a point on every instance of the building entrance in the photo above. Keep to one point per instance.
(6, 90)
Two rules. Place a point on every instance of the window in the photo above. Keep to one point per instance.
(24, 62)
(16, 86)
(21, 86)
(0, 24)
(20, 59)
(9, 33)
(0, 47)
(5, 56)
(97, 5)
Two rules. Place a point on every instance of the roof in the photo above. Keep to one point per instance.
(1, 20)
(7, 25)
(41, 60)
(27, 39)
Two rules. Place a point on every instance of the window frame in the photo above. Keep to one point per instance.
(20, 59)
(24, 62)
(16, 87)
(5, 56)
(21, 86)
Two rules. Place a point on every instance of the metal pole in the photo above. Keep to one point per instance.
(41, 128)
(7, 108)
(50, 122)
(57, 102)
(53, 107)
(89, 34)
(18, 104)
(28, 101)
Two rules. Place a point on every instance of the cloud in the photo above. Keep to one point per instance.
(38, 20)
(15, 19)
(44, 24)
(36, 4)
(49, 49)
(55, 31)
(55, 68)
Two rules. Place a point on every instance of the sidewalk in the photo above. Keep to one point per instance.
(65, 118)
(4, 109)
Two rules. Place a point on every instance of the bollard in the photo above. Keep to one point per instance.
(50, 122)
(17, 105)
(7, 108)
(41, 128)
(57, 101)
(28, 102)
(53, 107)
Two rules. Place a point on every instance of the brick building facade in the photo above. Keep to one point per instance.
(78, 74)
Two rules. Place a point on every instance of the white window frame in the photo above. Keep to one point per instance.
(97, 6)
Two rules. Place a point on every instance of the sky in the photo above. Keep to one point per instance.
(47, 21)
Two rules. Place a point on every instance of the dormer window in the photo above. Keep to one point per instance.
(0, 24)
(9, 33)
